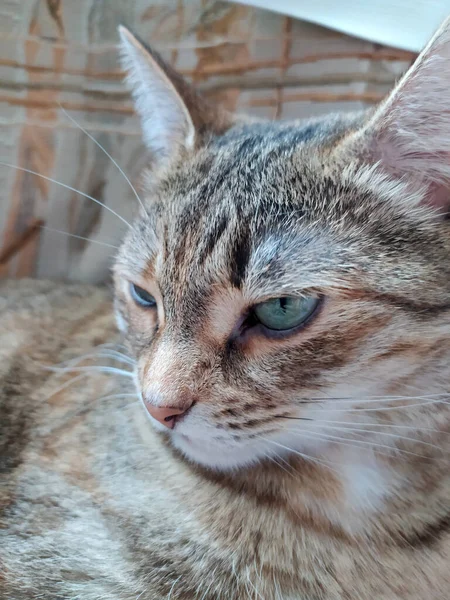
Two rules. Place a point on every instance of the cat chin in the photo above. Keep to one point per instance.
(219, 457)
(223, 456)
(229, 456)
(365, 482)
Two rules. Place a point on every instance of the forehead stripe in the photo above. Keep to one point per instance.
(239, 258)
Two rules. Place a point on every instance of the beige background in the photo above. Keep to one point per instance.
(62, 52)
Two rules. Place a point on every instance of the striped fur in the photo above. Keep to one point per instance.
(311, 465)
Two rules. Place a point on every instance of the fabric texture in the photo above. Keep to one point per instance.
(59, 53)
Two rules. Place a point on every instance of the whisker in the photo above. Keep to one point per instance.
(301, 454)
(368, 425)
(65, 385)
(284, 461)
(85, 409)
(340, 443)
(114, 346)
(368, 399)
(92, 369)
(379, 425)
(101, 354)
(130, 405)
(273, 459)
(352, 443)
(68, 187)
(111, 345)
(393, 435)
(118, 396)
(79, 237)
(295, 418)
(97, 143)
(61, 369)
(425, 402)
(96, 350)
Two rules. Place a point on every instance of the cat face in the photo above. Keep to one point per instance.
(286, 281)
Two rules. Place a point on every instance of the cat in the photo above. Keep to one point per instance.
(277, 424)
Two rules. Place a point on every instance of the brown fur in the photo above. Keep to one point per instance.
(309, 465)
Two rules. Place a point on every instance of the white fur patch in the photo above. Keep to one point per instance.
(121, 323)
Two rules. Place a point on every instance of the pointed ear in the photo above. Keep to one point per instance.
(174, 116)
(409, 134)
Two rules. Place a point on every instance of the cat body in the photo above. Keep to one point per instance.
(97, 505)
(277, 424)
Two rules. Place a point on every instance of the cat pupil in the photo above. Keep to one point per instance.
(283, 304)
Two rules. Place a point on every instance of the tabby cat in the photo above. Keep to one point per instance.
(276, 424)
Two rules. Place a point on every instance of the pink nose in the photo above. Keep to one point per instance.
(165, 415)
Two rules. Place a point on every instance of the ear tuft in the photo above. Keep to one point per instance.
(174, 116)
(166, 123)
(409, 134)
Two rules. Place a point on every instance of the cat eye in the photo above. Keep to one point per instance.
(283, 314)
(141, 297)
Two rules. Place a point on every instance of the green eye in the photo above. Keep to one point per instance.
(141, 297)
(286, 313)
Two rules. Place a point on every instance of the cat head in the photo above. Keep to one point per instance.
(288, 281)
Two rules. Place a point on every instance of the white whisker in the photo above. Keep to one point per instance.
(389, 425)
(353, 443)
(92, 369)
(393, 435)
(369, 399)
(284, 461)
(79, 237)
(64, 386)
(112, 345)
(68, 187)
(273, 459)
(88, 406)
(100, 354)
(130, 405)
(301, 454)
(425, 402)
(75, 122)
(114, 396)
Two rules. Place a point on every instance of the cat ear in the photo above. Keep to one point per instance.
(174, 116)
(409, 134)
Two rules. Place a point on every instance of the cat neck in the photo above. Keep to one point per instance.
(358, 495)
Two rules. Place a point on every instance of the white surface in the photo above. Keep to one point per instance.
(406, 24)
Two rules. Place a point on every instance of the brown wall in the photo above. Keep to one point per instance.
(62, 52)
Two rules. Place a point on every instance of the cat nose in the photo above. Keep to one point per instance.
(166, 415)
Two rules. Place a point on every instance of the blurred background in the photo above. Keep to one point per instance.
(57, 53)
